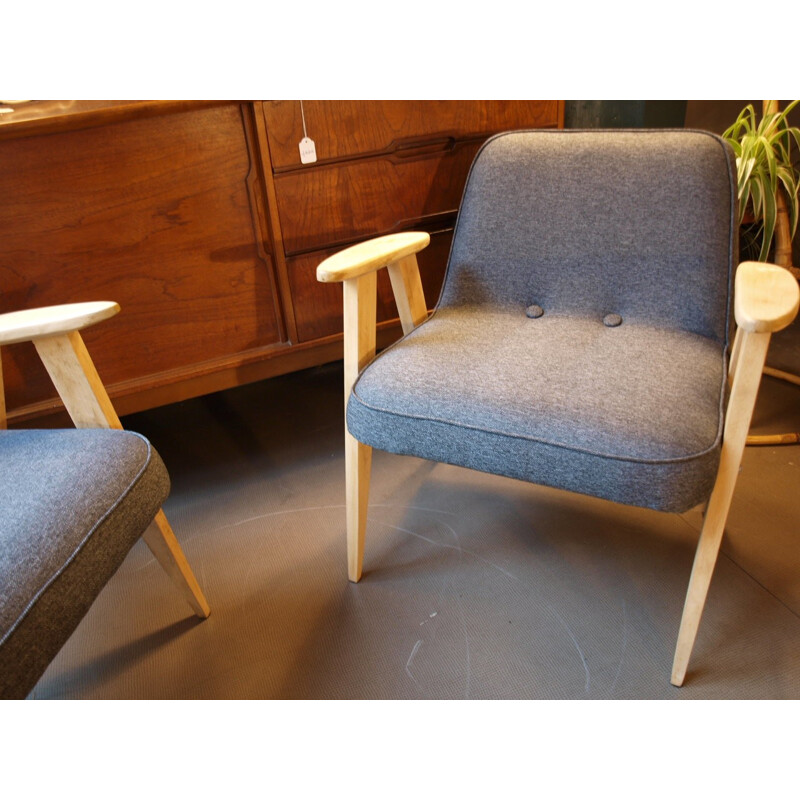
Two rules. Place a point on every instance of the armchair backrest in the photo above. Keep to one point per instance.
(639, 223)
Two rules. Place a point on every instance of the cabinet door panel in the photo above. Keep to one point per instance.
(156, 214)
(342, 129)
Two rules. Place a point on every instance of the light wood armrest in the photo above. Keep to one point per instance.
(35, 323)
(371, 255)
(766, 297)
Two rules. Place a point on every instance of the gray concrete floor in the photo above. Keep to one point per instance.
(474, 586)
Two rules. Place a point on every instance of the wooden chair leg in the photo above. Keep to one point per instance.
(751, 352)
(74, 375)
(161, 540)
(358, 461)
(360, 296)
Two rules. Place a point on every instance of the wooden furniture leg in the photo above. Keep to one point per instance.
(773, 439)
(164, 546)
(360, 295)
(356, 268)
(751, 354)
(73, 373)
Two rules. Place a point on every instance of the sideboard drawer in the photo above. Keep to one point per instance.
(339, 204)
(345, 129)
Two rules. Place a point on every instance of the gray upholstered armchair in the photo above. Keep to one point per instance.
(581, 338)
(72, 502)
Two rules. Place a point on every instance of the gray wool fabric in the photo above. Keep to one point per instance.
(581, 334)
(72, 504)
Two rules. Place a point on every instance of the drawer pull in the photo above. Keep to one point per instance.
(420, 149)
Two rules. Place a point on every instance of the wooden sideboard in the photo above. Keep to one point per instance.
(200, 220)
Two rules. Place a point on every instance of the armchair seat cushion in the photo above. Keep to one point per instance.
(605, 404)
(72, 504)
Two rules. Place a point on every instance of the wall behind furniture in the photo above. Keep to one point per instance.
(624, 113)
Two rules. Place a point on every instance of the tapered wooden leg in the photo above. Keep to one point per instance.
(360, 296)
(73, 373)
(408, 292)
(161, 540)
(752, 352)
(358, 461)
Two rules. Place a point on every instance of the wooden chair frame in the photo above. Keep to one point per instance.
(54, 331)
(766, 300)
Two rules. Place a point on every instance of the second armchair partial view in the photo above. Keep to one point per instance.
(74, 501)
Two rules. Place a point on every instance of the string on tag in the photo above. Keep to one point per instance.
(303, 117)
(308, 150)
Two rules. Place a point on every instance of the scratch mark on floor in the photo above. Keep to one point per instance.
(320, 508)
(252, 563)
(624, 645)
(411, 658)
(466, 645)
(276, 514)
(461, 551)
(575, 642)
(461, 612)
(448, 546)
(414, 508)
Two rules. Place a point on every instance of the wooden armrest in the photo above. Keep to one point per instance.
(24, 326)
(371, 255)
(766, 297)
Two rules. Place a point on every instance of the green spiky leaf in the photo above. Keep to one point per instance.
(764, 149)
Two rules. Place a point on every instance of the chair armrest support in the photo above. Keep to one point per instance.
(766, 297)
(35, 323)
(356, 268)
(397, 252)
(370, 256)
(54, 328)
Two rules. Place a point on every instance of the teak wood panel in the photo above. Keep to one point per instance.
(38, 117)
(175, 209)
(343, 129)
(339, 204)
(160, 215)
(318, 306)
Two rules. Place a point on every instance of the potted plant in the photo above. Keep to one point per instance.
(768, 181)
(768, 184)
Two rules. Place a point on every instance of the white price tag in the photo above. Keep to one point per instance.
(308, 151)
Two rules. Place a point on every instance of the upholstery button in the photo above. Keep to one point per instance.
(612, 320)
(534, 311)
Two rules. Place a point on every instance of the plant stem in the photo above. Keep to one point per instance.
(783, 235)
